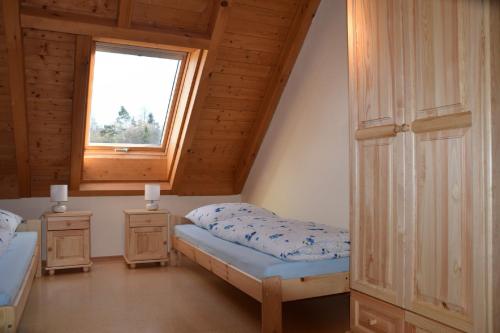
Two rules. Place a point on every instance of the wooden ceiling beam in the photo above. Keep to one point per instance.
(15, 59)
(83, 65)
(81, 25)
(125, 13)
(288, 56)
(193, 118)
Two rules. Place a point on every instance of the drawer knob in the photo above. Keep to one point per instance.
(68, 223)
(164, 242)
(49, 249)
(372, 322)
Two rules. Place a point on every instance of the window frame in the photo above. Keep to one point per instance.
(134, 48)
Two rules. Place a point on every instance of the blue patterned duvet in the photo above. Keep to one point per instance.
(258, 228)
(290, 240)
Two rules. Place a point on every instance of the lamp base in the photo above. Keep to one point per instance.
(59, 208)
(152, 205)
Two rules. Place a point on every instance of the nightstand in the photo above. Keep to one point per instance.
(146, 236)
(68, 240)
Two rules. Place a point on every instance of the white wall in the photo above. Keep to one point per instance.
(302, 169)
(107, 229)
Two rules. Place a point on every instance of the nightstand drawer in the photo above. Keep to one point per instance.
(148, 220)
(68, 225)
(371, 315)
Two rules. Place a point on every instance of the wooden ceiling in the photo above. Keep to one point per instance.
(248, 64)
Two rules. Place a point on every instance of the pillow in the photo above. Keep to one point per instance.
(206, 215)
(8, 225)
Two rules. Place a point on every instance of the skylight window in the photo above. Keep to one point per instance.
(132, 91)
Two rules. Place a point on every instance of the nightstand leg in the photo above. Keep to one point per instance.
(86, 269)
(163, 263)
(132, 266)
(52, 272)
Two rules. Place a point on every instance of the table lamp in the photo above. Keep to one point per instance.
(59, 194)
(152, 196)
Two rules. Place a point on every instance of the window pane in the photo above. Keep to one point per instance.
(131, 97)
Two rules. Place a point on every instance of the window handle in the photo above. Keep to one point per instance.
(121, 150)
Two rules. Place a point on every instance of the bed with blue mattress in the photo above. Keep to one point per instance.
(255, 263)
(19, 264)
(267, 278)
(14, 264)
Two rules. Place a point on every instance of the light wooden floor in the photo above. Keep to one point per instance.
(112, 298)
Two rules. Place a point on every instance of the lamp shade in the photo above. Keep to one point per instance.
(58, 193)
(152, 192)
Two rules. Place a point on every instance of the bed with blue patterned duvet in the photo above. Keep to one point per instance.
(263, 244)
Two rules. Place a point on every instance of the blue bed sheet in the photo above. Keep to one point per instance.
(14, 264)
(255, 263)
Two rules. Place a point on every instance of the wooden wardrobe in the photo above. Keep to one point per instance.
(421, 74)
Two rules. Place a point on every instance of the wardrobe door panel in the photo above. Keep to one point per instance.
(376, 62)
(442, 244)
(444, 213)
(376, 264)
(377, 157)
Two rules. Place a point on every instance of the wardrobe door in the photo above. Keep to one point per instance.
(445, 222)
(377, 155)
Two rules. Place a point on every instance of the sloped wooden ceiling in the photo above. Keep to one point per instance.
(250, 65)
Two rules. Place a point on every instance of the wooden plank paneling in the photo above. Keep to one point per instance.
(95, 8)
(49, 102)
(79, 25)
(13, 41)
(260, 15)
(282, 6)
(241, 41)
(192, 17)
(245, 52)
(221, 20)
(246, 60)
(295, 38)
(119, 169)
(246, 56)
(8, 178)
(241, 26)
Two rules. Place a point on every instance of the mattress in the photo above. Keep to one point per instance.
(253, 262)
(14, 264)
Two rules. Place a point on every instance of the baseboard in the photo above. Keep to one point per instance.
(108, 259)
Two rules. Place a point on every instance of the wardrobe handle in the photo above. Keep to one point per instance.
(401, 128)
(372, 322)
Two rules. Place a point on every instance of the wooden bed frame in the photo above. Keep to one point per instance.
(11, 315)
(271, 291)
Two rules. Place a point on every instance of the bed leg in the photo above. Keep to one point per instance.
(271, 305)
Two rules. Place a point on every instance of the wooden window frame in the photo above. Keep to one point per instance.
(187, 83)
(110, 149)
